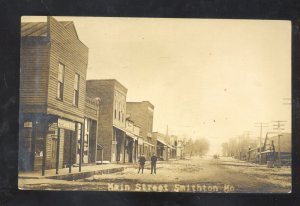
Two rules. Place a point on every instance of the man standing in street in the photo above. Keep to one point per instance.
(142, 161)
(153, 163)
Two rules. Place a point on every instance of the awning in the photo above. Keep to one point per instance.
(161, 141)
(170, 146)
(131, 135)
(122, 129)
(149, 144)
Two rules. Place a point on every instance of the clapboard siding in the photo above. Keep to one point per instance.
(34, 71)
(68, 50)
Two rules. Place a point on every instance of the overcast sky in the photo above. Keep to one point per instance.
(206, 78)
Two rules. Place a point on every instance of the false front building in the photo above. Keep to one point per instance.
(52, 97)
(165, 146)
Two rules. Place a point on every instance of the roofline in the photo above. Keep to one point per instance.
(108, 80)
(145, 101)
(72, 22)
(60, 22)
(68, 31)
(159, 133)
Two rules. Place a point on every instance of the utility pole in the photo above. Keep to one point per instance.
(261, 125)
(239, 146)
(246, 147)
(278, 126)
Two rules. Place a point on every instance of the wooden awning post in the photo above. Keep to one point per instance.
(70, 152)
(44, 149)
(33, 137)
(57, 151)
(81, 146)
(124, 141)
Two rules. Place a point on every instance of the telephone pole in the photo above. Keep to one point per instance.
(261, 125)
(278, 126)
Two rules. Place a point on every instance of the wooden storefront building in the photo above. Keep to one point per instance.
(52, 95)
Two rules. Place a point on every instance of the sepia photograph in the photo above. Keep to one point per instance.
(155, 105)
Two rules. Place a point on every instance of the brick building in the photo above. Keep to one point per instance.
(52, 95)
(142, 114)
(112, 117)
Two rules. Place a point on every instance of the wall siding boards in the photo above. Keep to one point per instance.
(40, 56)
(68, 50)
(33, 73)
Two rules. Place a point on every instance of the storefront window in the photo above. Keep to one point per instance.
(39, 147)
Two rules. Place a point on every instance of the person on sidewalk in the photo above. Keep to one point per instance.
(153, 163)
(142, 161)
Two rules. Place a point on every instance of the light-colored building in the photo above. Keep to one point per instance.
(165, 146)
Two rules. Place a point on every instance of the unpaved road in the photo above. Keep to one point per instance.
(194, 175)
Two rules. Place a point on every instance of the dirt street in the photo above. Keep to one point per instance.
(195, 175)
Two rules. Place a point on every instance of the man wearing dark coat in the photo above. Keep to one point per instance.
(142, 161)
(153, 163)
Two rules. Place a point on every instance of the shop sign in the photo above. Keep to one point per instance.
(64, 124)
(28, 124)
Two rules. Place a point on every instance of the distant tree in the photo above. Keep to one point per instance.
(237, 147)
(200, 147)
(197, 147)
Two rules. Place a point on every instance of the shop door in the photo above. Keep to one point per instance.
(53, 152)
(71, 148)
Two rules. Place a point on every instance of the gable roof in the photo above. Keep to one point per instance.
(34, 29)
(40, 28)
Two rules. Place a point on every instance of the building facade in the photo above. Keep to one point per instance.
(112, 117)
(165, 145)
(133, 151)
(91, 152)
(142, 115)
(52, 95)
(162, 149)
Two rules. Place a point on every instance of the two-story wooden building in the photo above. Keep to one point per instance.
(52, 95)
